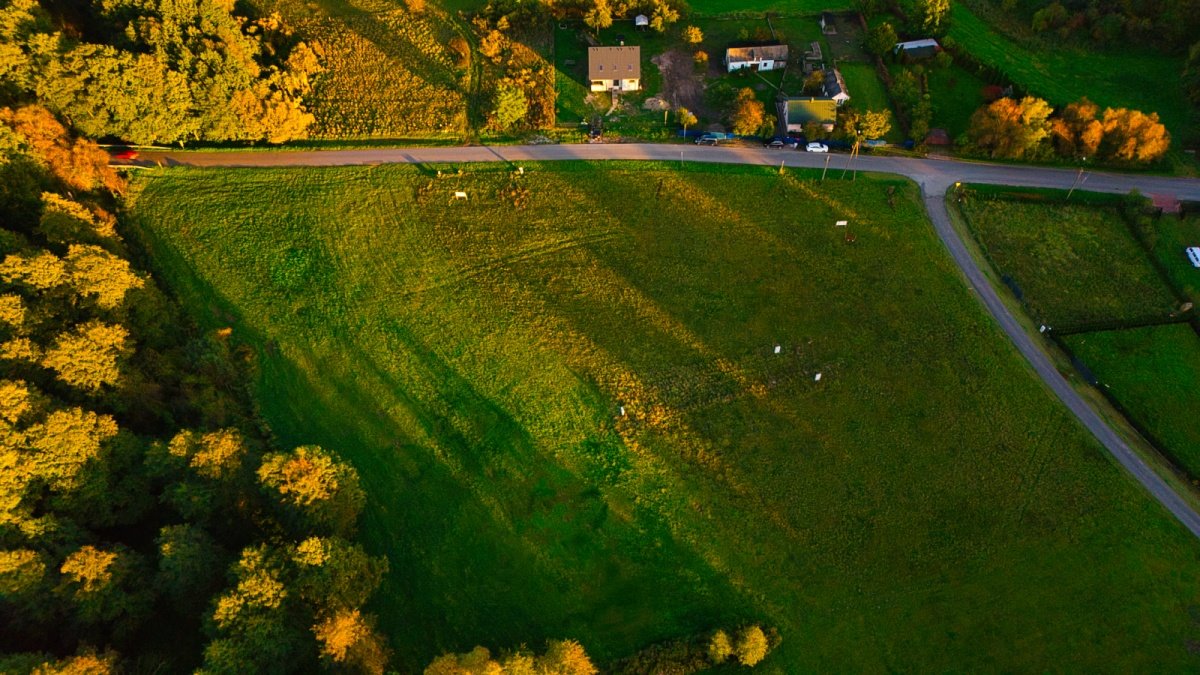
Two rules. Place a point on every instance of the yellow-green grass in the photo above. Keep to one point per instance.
(388, 72)
(1119, 79)
(1072, 264)
(926, 505)
(1154, 373)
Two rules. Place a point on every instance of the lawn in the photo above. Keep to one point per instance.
(956, 93)
(1065, 74)
(389, 73)
(599, 416)
(1072, 264)
(1174, 236)
(868, 93)
(712, 7)
(1154, 373)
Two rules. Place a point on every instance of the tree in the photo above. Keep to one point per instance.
(1076, 132)
(105, 586)
(720, 648)
(98, 274)
(662, 15)
(932, 14)
(752, 646)
(747, 116)
(78, 163)
(692, 35)
(349, 637)
(88, 356)
(511, 106)
(1133, 136)
(64, 443)
(190, 563)
(317, 491)
(881, 39)
(216, 455)
(685, 117)
(857, 127)
(1010, 129)
(599, 16)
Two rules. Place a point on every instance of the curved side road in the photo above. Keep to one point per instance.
(934, 176)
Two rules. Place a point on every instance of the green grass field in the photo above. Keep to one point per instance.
(754, 6)
(1154, 373)
(925, 506)
(1073, 263)
(956, 93)
(1174, 236)
(868, 93)
(1119, 79)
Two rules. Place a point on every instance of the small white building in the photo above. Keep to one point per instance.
(765, 57)
(917, 49)
(641, 21)
(615, 68)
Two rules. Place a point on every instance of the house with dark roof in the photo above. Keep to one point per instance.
(835, 87)
(615, 68)
(765, 57)
(801, 110)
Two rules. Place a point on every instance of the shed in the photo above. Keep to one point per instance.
(917, 49)
(641, 21)
(827, 26)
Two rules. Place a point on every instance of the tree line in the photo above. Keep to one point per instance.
(155, 71)
(147, 521)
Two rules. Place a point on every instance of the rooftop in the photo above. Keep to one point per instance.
(614, 63)
(773, 52)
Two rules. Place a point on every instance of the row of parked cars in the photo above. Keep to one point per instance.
(788, 143)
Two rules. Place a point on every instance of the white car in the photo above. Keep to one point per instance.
(816, 147)
(1193, 254)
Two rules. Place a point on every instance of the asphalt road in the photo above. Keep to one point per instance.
(935, 177)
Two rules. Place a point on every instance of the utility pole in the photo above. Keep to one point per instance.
(1078, 176)
(826, 169)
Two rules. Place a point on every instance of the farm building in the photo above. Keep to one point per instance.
(835, 87)
(917, 49)
(810, 109)
(615, 68)
(827, 26)
(766, 57)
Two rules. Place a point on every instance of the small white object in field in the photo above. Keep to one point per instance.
(1042, 329)
(460, 195)
(817, 378)
(622, 411)
(521, 170)
(778, 349)
(841, 223)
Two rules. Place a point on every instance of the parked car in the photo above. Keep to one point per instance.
(708, 139)
(780, 142)
(1193, 254)
(816, 147)
(124, 153)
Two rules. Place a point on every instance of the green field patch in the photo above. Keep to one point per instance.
(1173, 237)
(956, 93)
(1071, 264)
(1065, 74)
(1154, 373)
(924, 505)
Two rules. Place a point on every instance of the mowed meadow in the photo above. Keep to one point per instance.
(565, 401)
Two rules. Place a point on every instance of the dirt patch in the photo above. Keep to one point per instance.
(682, 86)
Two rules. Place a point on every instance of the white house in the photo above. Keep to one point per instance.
(615, 68)
(766, 57)
(917, 49)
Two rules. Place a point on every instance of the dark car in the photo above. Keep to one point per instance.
(780, 142)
